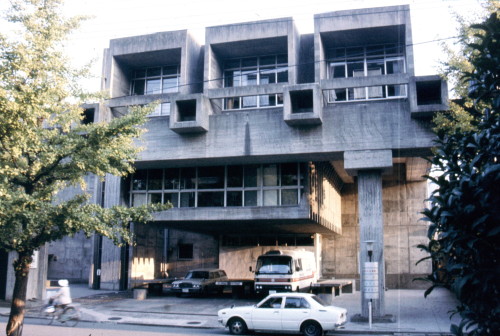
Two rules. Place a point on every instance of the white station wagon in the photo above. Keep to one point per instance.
(287, 312)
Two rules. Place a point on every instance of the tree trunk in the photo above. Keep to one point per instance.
(16, 318)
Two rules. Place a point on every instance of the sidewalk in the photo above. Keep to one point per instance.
(414, 313)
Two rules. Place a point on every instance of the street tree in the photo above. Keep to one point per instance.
(45, 148)
(464, 211)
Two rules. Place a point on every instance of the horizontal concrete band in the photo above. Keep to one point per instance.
(367, 160)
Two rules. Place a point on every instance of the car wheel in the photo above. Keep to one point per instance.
(312, 328)
(237, 326)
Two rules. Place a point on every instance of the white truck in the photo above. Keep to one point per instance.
(285, 271)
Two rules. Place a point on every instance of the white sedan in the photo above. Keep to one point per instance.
(288, 312)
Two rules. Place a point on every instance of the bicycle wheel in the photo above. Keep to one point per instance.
(47, 317)
(70, 316)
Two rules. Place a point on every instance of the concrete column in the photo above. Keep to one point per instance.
(371, 228)
(368, 166)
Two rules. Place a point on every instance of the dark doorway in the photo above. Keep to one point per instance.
(124, 253)
(4, 264)
(96, 284)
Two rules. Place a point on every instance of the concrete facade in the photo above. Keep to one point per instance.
(265, 142)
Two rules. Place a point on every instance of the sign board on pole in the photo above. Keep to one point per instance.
(370, 280)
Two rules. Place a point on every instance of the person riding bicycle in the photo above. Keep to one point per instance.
(63, 296)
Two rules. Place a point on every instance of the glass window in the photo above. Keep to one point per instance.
(139, 180)
(338, 71)
(173, 198)
(396, 90)
(187, 199)
(292, 303)
(138, 87)
(248, 77)
(355, 69)
(250, 101)
(270, 173)
(170, 84)
(273, 303)
(172, 178)
(234, 176)
(251, 198)
(252, 173)
(154, 198)
(395, 66)
(271, 197)
(219, 186)
(267, 76)
(156, 80)
(188, 178)
(232, 103)
(211, 177)
(211, 199)
(234, 198)
(139, 199)
(289, 197)
(375, 67)
(153, 86)
(155, 179)
(289, 173)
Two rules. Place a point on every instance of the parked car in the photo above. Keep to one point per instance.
(199, 281)
(287, 312)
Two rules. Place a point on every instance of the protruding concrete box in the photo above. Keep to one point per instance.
(428, 94)
(176, 50)
(189, 113)
(267, 37)
(369, 26)
(302, 104)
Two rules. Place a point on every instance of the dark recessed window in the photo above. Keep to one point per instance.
(185, 251)
(302, 101)
(428, 92)
(88, 116)
(186, 110)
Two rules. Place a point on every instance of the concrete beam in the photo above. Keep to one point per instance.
(379, 159)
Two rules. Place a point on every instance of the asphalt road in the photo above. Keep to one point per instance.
(35, 327)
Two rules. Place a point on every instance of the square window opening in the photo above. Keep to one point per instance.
(429, 92)
(186, 110)
(185, 251)
(302, 101)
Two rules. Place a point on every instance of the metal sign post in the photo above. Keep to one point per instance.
(370, 286)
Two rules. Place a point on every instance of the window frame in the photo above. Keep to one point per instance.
(161, 77)
(260, 70)
(180, 189)
(353, 94)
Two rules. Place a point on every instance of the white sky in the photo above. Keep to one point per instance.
(431, 20)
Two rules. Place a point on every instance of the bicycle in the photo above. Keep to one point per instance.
(68, 315)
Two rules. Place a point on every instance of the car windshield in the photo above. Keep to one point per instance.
(318, 300)
(197, 275)
(274, 265)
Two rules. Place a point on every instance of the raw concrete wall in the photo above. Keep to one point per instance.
(402, 203)
(205, 252)
(70, 258)
(36, 278)
(261, 134)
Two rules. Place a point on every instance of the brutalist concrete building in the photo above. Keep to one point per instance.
(265, 138)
